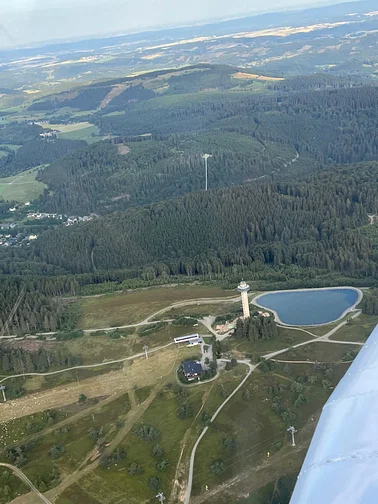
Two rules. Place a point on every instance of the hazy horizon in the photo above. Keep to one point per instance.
(33, 21)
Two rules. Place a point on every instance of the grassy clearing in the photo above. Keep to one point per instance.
(286, 338)
(257, 430)
(321, 352)
(22, 187)
(112, 485)
(100, 381)
(359, 329)
(142, 394)
(75, 494)
(122, 308)
(74, 436)
(200, 310)
(75, 439)
(96, 349)
(69, 128)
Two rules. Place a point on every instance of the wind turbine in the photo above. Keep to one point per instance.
(206, 157)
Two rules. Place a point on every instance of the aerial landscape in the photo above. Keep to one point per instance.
(188, 251)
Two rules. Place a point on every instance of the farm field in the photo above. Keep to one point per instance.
(22, 187)
(122, 308)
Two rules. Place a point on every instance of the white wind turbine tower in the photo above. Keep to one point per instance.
(206, 157)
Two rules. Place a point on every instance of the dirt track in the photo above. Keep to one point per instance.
(140, 374)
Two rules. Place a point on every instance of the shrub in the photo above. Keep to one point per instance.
(157, 451)
(154, 483)
(163, 465)
(134, 469)
(229, 443)
(147, 433)
(185, 411)
(218, 467)
(56, 451)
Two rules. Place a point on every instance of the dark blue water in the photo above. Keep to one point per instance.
(309, 307)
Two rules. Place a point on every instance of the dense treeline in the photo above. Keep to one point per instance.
(333, 126)
(16, 133)
(18, 360)
(37, 152)
(130, 95)
(369, 303)
(314, 82)
(30, 305)
(310, 224)
(218, 78)
(256, 328)
(88, 98)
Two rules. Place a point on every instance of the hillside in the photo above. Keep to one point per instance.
(294, 128)
(311, 224)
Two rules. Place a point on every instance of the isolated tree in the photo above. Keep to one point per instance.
(163, 465)
(82, 398)
(185, 411)
(229, 443)
(218, 467)
(135, 469)
(56, 451)
(157, 451)
(154, 483)
(312, 379)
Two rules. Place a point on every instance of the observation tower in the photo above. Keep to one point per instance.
(243, 288)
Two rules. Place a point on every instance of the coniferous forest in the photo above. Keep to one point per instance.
(293, 177)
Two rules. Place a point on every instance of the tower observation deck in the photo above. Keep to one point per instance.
(243, 288)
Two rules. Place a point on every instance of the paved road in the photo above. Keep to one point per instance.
(17, 472)
(193, 454)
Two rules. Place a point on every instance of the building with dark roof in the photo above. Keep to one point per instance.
(192, 370)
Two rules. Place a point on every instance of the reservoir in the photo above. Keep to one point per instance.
(310, 306)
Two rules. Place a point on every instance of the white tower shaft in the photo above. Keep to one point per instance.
(245, 304)
(243, 288)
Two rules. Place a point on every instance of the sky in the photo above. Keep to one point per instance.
(29, 21)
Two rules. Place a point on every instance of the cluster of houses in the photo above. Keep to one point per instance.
(42, 215)
(74, 220)
(69, 222)
(7, 240)
(49, 134)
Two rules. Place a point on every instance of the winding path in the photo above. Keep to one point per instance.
(193, 454)
(17, 472)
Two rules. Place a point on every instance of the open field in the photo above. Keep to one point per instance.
(321, 352)
(286, 338)
(94, 349)
(358, 330)
(176, 436)
(257, 430)
(137, 373)
(122, 308)
(22, 187)
(245, 75)
(203, 309)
